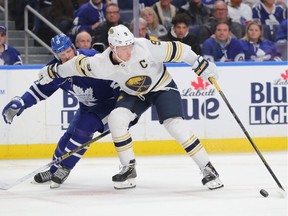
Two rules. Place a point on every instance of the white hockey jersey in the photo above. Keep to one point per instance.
(143, 73)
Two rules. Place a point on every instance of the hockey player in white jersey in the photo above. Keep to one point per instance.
(136, 64)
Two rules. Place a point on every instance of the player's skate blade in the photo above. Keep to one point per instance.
(211, 177)
(214, 184)
(129, 183)
(54, 185)
(125, 179)
(59, 177)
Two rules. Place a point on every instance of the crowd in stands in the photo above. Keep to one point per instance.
(230, 30)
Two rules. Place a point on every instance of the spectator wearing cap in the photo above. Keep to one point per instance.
(8, 54)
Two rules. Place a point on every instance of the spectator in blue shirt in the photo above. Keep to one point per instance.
(8, 54)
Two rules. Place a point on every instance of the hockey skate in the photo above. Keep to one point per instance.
(43, 177)
(211, 177)
(125, 179)
(59, 177)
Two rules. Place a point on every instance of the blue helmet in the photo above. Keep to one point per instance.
(60, 42)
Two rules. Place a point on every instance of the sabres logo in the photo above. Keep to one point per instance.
(139, 83)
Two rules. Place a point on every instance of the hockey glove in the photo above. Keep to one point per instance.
(205, 69)
(48, 73)
(15, 107)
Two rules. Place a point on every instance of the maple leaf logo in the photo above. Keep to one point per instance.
(200, 84)
(285, 75)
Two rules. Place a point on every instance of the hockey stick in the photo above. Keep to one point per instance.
(213, 81)
(6, 186)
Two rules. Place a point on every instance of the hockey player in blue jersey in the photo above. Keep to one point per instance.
(96, 100)
(256, 47)
(222, 46)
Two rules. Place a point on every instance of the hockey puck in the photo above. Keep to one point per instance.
(264, 193)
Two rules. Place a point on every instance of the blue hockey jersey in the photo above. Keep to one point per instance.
(263, 51)
(275, 18)
(214, 51)
(10, 56)
(86, 16)
(94, 95)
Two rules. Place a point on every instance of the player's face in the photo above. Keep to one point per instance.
(66, 54)
(254, 33)
(180, 30)
(124, 52)
(222, 32)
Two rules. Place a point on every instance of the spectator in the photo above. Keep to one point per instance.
(281, 35)
(83, 40)
(154, 28)
(63, 13)
(180, 32)
(42, 30)
(17, 9)
(88, 17)
(165, 12)
(197, 11)
(281, 39)
(255, 47)
(270, 15)
(222, 46)
(100, 34)
(239, 12)
(208, 3)
(8, 54)
(143, 29)
(220, 14)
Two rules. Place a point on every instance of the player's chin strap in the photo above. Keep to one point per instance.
(121, 62)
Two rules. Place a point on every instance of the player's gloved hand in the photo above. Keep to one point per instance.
(48, 73)
(205, 69)
(15, 107)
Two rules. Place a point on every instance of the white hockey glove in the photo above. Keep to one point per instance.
(48, 73)
(15, 107)
(205, 69)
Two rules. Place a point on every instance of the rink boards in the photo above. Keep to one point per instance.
(257, 92)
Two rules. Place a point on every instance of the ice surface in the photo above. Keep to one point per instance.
(166, 185)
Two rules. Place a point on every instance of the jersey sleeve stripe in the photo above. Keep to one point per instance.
(80, 64)
(179, 51)
(169, 51)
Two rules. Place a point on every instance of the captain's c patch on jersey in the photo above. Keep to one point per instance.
(139, 83)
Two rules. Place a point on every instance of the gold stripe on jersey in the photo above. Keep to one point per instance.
(169, 51)
(124, 148)
(174, 51)
(80, 64)
(121, 138)
(195, 150)
(165, 77)
(188, 142)
(179, 52)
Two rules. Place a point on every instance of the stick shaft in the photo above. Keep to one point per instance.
(245, 132)
(6, 186)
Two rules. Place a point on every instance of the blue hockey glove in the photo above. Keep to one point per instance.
(15, 107)
(205, 69)
(48, 73)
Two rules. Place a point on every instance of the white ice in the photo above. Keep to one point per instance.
(166, 185)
